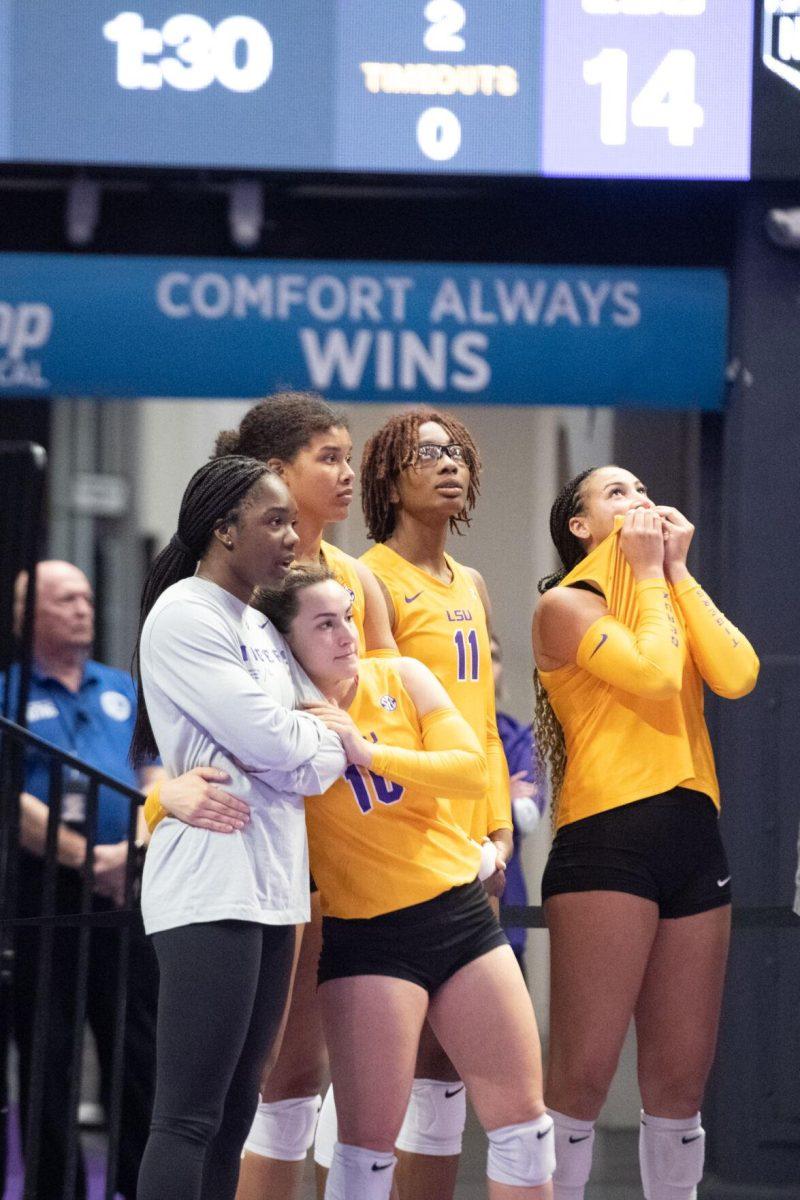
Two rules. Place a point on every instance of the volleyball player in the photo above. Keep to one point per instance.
(419, 481)
(637, 888)
(222, 910)
(407, 928)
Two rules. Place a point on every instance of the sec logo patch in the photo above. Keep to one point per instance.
(388, 702)
(116, 706)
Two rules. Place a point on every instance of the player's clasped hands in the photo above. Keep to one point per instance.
(677, 533)
(641, 540)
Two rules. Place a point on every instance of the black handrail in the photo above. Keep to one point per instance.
(47, 922)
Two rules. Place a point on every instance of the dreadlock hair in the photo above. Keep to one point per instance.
(214, 496)
(548, 736)
(391, 450)
(282, 604)
(280, 426)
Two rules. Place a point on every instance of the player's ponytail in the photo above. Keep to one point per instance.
(212, 497)
(551, 752)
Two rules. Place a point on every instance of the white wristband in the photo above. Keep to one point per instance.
(488, 860)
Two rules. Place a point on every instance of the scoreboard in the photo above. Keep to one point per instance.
(597, 88)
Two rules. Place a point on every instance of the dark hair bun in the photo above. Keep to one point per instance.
(227, 443)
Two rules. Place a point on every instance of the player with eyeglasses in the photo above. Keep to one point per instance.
(419, 482)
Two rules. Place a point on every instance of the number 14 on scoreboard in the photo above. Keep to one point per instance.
(666, 101)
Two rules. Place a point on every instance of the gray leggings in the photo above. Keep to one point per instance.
(222, 991)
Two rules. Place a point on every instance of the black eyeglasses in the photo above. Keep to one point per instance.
(429, 453)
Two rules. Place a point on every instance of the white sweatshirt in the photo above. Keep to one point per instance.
(219, 684)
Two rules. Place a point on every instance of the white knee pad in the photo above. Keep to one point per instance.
(435, 1118)
(327, 1133)
(284, 1129)
(522, 1155)
(671, 1156)
(574, 1143)
(359, 1174)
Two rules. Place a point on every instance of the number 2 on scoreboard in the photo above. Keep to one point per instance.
(667, 100)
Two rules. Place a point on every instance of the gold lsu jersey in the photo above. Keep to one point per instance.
(444, 626)
(343, 567)
(374, 845)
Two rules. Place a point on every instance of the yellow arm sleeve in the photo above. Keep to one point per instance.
(154, 812)
(498, 795)
(723, 655)
(646, 661)
(452, 759)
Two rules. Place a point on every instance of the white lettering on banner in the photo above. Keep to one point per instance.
(400, 359)
(23, 327)
(213, 295)
(541, 302)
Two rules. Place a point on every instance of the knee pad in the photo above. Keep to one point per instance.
(435, 1118)
(284, 1129)
(522, 1155)
(359, 1174)
(671, 1156)
(574, 1143)
(327, 1133)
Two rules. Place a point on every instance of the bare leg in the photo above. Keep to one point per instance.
(600, 943)
(372, 1025)
(428, 1176)
(299, 1070)
(498, 1058)
(677, 1013)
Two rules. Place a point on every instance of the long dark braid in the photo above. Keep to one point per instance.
(548, 736)
(214, 496)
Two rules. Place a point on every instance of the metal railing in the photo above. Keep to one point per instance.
(14, 741)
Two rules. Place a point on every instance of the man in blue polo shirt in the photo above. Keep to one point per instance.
(89, 710)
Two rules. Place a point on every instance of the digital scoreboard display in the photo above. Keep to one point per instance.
(641, 88)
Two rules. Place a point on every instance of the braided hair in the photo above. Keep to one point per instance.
(214, 496)
(393, 448)
(280, 426)
(548, 736)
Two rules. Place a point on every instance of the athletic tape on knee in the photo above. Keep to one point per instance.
(671, 1156)
(327, 1133)
(284, 1129)
(435, 1118)
(522, 1155)
(358, 1173)
(574, 1143)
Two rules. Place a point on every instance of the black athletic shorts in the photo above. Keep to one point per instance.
(424, 943)
(666, 848)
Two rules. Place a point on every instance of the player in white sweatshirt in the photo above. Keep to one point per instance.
(217, 686)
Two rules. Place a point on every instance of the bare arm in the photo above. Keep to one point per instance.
(377, 615)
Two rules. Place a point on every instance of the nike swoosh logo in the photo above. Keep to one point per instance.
(686, 1140)
(722, 882)
(603, 638)
(454, 1092)
(409, 599)
(542, 1133)
(381, 1166)
(573, 1140)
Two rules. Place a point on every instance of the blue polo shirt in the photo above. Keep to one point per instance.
(95, 724)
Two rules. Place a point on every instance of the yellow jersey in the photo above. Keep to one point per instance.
(444, 626)
(343, 567)
(623, 747)
(374, 845)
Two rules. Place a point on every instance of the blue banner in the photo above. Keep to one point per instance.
(92, 325)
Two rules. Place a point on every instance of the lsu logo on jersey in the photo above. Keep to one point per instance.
(459, 614)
